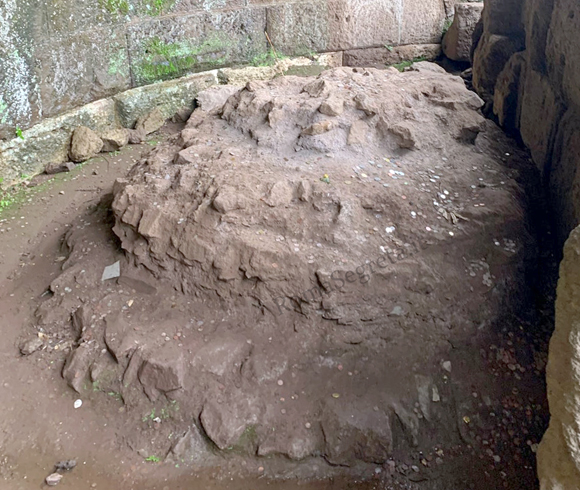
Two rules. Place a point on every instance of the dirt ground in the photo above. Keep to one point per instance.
(488, 381)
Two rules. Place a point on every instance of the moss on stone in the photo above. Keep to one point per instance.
(168, 60)
(119, 63)
(3, 111)
(247, 443)
(115, 7)
(268, 58)
(157, 7)
(407, 63)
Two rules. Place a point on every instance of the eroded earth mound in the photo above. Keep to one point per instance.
(300, 267)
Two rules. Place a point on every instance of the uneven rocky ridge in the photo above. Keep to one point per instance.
(305, 272)
(237, 217)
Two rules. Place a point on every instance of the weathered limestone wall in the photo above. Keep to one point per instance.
(527, 64)
(56, 55)
(527, 67)
(559, 453)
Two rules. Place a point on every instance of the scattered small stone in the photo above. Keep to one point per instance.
(436, 398)
(78, 403)
(31, 346)
(397, 311)
(447, 366)
(67, 465)
(112, 271)
(85, 144)
(56, 168)
(53, 480)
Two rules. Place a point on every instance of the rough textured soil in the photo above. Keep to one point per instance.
(330, 278)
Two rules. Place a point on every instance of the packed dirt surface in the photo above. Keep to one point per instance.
(329, 279)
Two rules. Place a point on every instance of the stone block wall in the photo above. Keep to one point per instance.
(56, 55)
(527, 67)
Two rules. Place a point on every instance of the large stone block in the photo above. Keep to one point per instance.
(81, 68)
(541, 112)
(504, 18)
(564, 178)
(421, 21)
(350, 24)
(299, 28)
(389, 56)
(490, 57)
(538, 17)
(207, 5)
(169, 96)
(66, 17)
(363, 23)
(19, 104)
(559, 451)
(563, 48)
(172, 46)
(507, 99)
(458, 40)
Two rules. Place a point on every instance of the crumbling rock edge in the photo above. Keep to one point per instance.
(290, 280)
